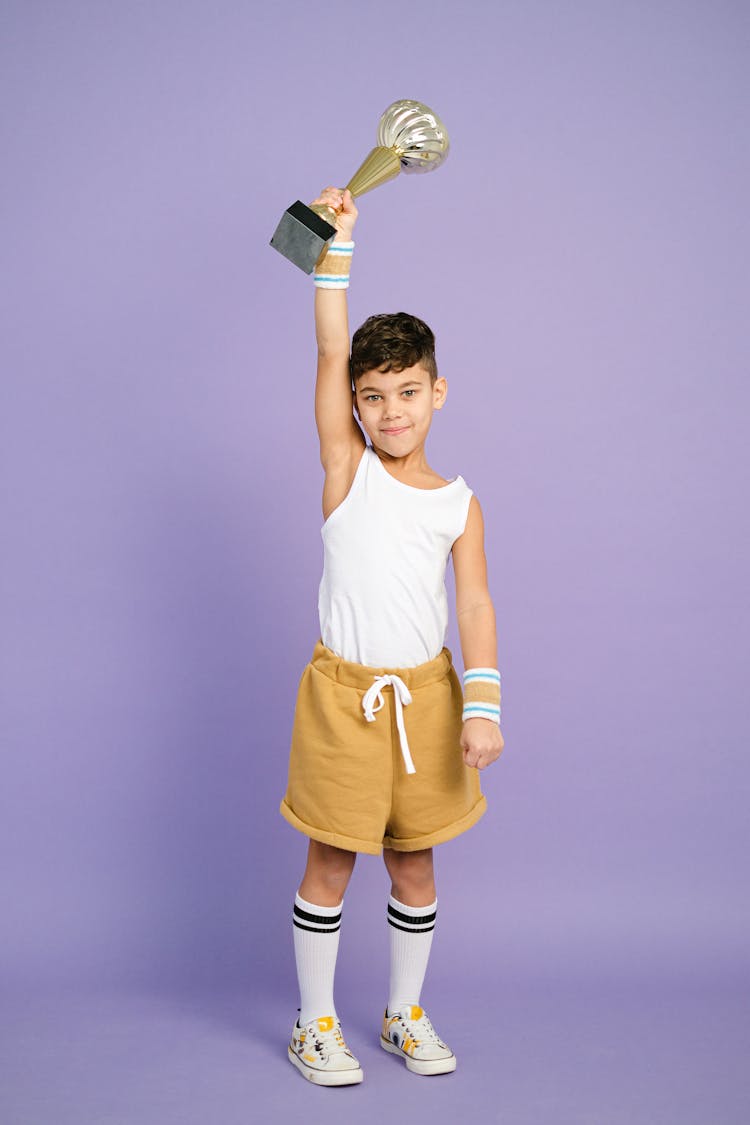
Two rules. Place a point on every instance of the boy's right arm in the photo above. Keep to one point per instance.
(341, 440)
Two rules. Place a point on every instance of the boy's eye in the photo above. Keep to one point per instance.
(371, 398)
(411, 391)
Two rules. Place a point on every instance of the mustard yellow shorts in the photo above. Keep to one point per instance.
(348, 781)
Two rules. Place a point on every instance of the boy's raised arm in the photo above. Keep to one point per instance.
(338, 431)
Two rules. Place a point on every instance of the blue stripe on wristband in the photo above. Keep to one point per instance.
(491, 675)
(481, 711)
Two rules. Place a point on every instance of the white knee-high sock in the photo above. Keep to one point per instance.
(316, 944)
(411, 929)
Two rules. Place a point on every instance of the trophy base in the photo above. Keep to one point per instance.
(302, 236)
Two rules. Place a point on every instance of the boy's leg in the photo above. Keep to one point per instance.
(411, 915)
(317, 1047)
(412, 907)
(317, 920)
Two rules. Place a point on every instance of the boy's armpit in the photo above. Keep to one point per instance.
(339, 452)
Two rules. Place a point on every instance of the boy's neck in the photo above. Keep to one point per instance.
(412, 467)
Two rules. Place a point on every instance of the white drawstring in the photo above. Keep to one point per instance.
(401, 696)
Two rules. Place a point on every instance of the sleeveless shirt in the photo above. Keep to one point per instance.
(382, 599)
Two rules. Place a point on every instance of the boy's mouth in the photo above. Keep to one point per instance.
(395, 430)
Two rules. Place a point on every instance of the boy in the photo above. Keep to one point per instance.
(407, 778)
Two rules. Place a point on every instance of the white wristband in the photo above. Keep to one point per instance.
(482, 694)
(332, 271)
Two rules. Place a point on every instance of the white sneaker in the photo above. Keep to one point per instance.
(410, 1035)
(320, 1054)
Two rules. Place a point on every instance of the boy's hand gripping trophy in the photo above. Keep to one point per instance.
(410, 138)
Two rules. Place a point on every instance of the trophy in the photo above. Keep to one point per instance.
(411, 138)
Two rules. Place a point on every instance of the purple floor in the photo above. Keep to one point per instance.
(605, 1053)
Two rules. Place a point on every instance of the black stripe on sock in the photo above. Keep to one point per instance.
(411, 929)
(324, 919)
(315, 930)
(413, 919)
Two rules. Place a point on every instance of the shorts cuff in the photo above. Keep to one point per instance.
(335, 839)
(417, 843)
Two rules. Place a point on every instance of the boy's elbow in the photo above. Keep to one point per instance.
(333, 349)
(481, 605)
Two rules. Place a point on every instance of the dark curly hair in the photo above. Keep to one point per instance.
(391, 342)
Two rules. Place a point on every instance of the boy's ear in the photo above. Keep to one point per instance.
(439, 392)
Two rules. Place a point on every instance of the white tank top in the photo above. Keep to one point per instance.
(382, 599)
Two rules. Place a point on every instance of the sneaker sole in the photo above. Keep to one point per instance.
(326, 1077)
(420, 1066)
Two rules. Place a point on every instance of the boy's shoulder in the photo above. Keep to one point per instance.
(436, 481)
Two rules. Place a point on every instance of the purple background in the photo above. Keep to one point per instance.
(583, 257)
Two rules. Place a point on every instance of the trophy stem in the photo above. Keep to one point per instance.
(326, 213)
(381, 165)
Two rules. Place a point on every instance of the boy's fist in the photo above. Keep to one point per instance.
(341, 202)
(481, 742)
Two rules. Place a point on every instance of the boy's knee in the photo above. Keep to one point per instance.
(328, 871)
(336, 870)
(412, 874)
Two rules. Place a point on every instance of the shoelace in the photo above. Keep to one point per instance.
(421, 1030)
(330, 1041)
(427, 1031)
(402, 698)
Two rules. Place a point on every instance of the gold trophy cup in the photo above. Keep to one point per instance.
(411, 138)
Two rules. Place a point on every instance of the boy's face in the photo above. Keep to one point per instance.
(396, 407)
